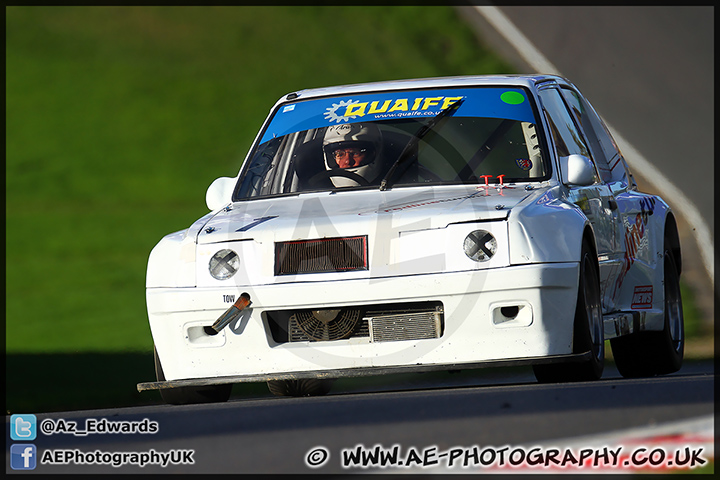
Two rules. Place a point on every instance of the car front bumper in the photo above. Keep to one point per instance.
(474, 333)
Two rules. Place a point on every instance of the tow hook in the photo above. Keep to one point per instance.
(230, 314)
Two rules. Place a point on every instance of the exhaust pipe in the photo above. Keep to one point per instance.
(230, 314)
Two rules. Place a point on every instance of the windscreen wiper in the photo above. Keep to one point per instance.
(405, 154)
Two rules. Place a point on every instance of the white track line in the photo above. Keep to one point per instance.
(694, 433)
(638, 162)
(697, 434)
(694, 430)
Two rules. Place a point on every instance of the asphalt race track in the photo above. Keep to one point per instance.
(649, 71)
(503, 407)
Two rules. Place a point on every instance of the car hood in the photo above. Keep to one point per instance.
(327, 214)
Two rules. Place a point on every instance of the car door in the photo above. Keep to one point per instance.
(635, 261)
(597, 200)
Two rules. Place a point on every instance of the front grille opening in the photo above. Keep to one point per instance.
(377, 323)
(322, 255)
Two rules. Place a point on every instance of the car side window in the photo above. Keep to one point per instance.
(579, 111)
(605, 151)
(567, 138)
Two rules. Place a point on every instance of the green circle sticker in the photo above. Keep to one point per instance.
(512, 98)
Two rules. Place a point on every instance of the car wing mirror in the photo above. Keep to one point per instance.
(219, 193)
(577, 170)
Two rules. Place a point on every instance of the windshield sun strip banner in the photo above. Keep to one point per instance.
(490, 102)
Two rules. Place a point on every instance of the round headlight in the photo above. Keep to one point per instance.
(224, 264)
(480, 245)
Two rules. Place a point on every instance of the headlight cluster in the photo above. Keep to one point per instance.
(480, 245)
(224, 264)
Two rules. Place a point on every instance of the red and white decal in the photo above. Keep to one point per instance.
(642, 297)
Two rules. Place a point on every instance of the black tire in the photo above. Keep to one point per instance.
(304, 387)
(671, 341)
(645, 354)
(188, 395)
(588, 331)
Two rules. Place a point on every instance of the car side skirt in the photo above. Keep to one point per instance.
(617, 324)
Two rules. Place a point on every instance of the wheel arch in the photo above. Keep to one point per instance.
(547, 229)
(589, 237)
(672, 240)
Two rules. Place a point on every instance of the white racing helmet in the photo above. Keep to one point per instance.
(364, 136)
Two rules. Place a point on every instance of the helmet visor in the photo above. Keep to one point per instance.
(349, 154)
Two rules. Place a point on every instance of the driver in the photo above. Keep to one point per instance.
(354, 148)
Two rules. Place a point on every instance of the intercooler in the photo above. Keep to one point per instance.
(404, 326)
(378, 323)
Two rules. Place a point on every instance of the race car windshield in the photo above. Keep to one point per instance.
(335, 143)
(410, 146)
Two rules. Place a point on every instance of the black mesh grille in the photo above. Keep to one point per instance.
(321, 255)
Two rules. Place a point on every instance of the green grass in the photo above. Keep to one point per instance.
(694, 327)
(119, 118)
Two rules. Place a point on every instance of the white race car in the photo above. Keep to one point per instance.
(433, 224)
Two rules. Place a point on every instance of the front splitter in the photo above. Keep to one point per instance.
(359, 372)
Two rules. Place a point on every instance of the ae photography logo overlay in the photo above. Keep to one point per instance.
(508, 457)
